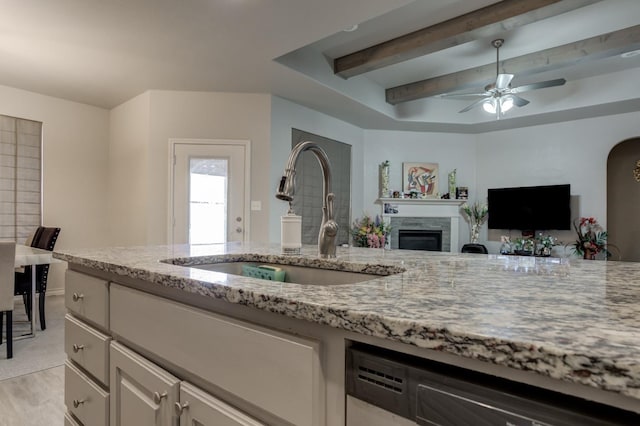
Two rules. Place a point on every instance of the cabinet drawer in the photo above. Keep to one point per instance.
(70, 421)
(87, 347)
(87, 297)
(86, 400)
(277, 372)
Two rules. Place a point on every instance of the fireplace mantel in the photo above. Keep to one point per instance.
(425, 208)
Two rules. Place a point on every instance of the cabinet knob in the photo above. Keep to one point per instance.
(179, 408)
(157, 397)
(77, 297)
(77, 348)
(78, 402)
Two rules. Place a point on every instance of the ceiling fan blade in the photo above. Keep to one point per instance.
(518, 101)
(473, 105)
(503, 81)
(454, 95)
(465, 96)
(539, 85)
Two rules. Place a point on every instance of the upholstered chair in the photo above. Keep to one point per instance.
(44, 238)
(7, 266)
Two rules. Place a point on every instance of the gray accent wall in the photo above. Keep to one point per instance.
(308, 196)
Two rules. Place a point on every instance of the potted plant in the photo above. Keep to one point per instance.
(477, 215)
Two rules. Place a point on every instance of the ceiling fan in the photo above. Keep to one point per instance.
(500, 97)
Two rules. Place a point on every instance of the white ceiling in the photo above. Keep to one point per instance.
(105, 52)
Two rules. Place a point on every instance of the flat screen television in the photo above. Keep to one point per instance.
(530, 208)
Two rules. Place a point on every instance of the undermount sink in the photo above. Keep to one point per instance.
(297, 274)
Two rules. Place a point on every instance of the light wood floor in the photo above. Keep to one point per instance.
(35, 399)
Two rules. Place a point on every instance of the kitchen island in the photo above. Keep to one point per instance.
(568, 325)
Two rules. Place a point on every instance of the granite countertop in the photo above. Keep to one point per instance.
(572, 320)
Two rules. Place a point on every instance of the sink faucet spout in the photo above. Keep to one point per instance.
(286, 191)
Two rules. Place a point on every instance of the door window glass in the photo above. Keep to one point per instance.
(208, 180)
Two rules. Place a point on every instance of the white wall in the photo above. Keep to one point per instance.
(572, 152)
(450, 151)
(206, 115)
(287, 115)
(128, 171)
(74, 174)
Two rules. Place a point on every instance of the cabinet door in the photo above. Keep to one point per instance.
(141, 392)
(199, 408)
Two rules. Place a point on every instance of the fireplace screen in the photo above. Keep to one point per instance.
(414, 239)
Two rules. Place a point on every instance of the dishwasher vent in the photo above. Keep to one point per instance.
(381, 379)
(376, 380)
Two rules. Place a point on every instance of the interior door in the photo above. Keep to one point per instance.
(209, 192)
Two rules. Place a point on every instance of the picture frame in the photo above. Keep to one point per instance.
(462, 193)
(421, 178)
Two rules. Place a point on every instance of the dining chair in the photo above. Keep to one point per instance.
(7, 266)
(474, 248)
(44, 238)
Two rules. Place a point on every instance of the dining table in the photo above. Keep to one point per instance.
(32, 256)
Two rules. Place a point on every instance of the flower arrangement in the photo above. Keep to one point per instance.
(592, 239)
(544, 244)
(546, 241)
(477, 215)
(367, 232)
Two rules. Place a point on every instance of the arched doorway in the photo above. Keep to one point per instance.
(623, 198)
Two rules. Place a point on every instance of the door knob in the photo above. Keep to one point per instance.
(238, 219)
(238, 229)
(179, 408)
(157, 397)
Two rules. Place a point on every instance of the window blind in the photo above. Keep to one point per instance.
(20, 177)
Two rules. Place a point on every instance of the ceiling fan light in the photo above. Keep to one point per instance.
(490, 106)
(506, 103)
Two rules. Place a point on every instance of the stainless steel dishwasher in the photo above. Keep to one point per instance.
(390, 388)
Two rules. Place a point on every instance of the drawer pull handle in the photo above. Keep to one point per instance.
(179, 408)
(77, 296)
(78, 402)
(157, 397)
(77, 348)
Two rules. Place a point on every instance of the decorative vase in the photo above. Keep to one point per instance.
(589, 254)
(384, 181)
(475, 232)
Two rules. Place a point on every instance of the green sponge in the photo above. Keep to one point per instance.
(265, 272)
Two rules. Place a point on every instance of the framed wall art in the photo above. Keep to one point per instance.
(421, 178)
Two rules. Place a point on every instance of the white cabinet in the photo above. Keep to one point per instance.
(198, 408)
(141, 392)
(87, 349)
(84, 398)
(255, 372)
(277, 372)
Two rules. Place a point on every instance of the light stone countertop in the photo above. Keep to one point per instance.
(572, 320)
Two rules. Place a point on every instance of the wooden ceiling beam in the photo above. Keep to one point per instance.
(484, 22)
(602, 46)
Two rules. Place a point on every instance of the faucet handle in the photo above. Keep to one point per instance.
(330, 197)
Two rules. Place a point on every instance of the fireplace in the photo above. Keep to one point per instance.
(420, 239)
(416, 228)
(432, 215)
